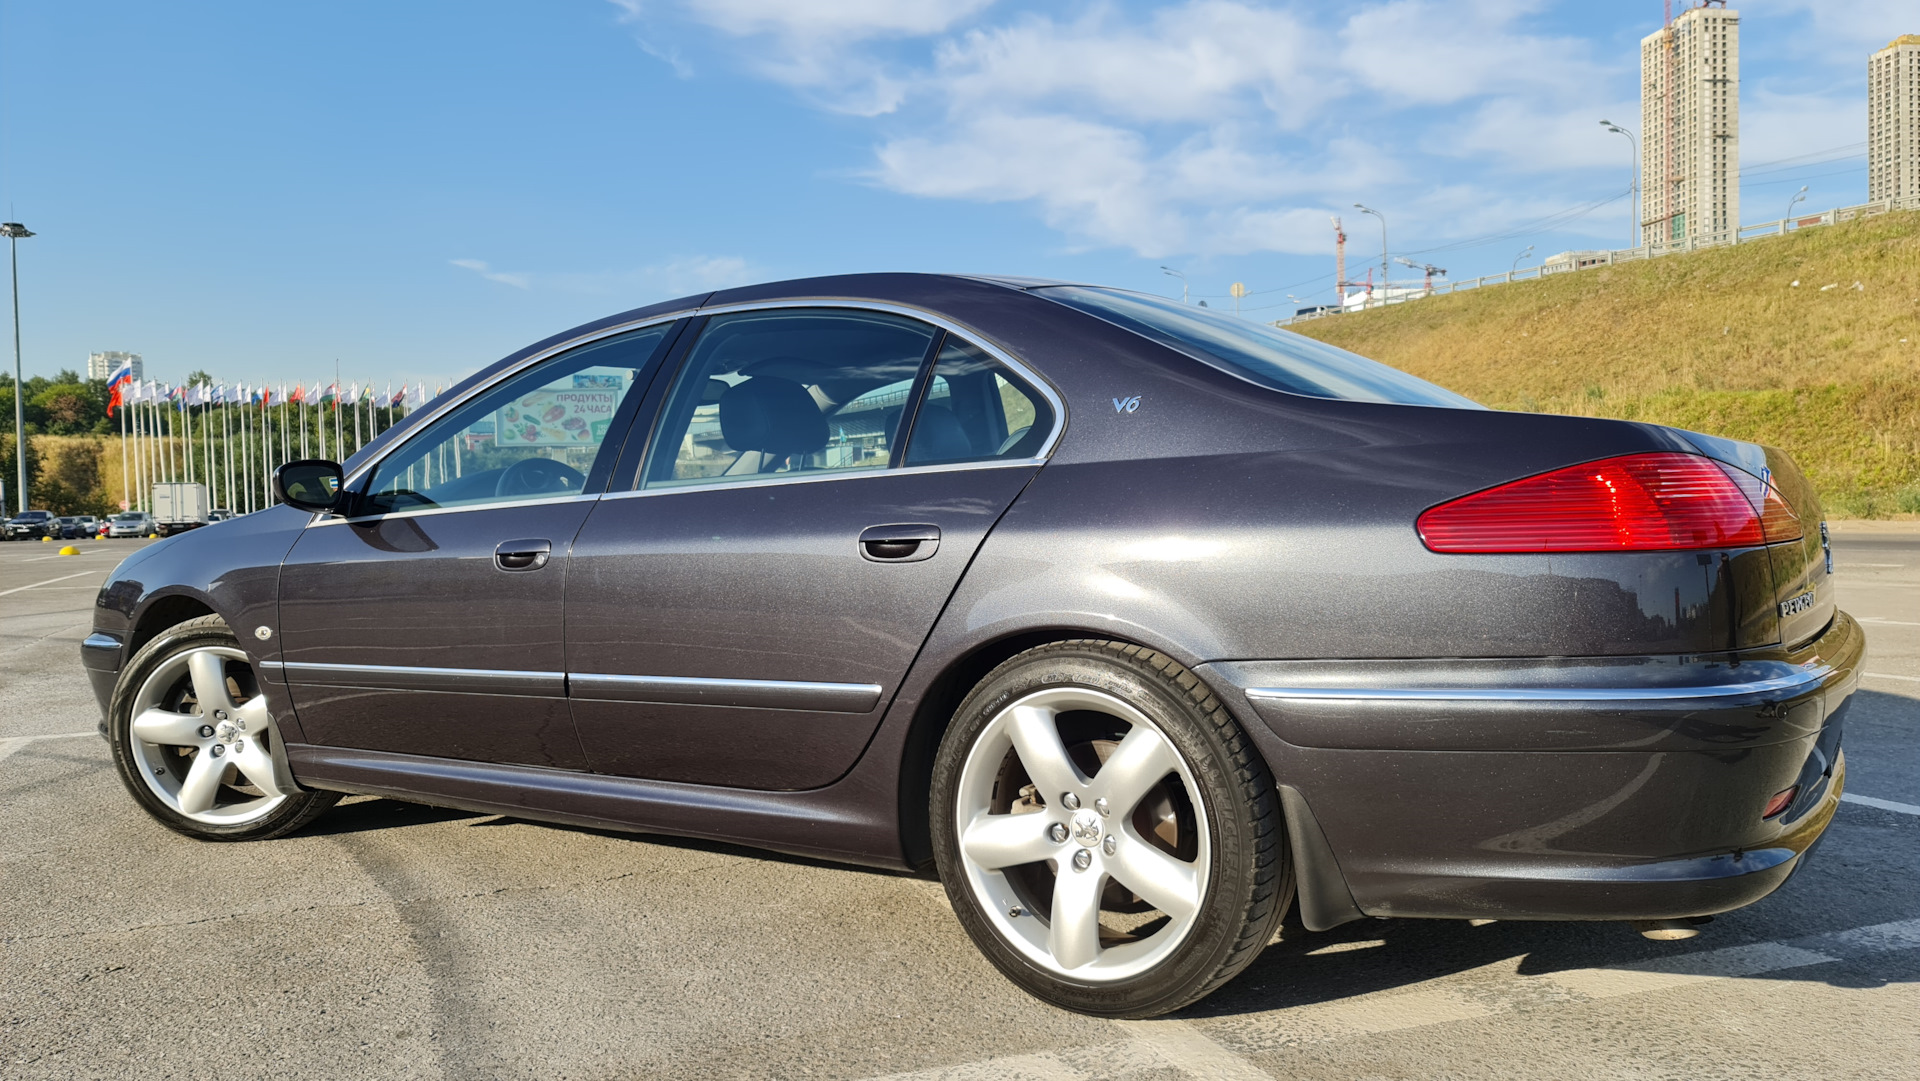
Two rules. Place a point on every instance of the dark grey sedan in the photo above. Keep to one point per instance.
(1139, 623)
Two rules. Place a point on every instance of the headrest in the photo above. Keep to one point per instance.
(938, 436)
(772, 415)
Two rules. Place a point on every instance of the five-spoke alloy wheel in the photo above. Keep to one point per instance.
(194, 738)
(1105, 831)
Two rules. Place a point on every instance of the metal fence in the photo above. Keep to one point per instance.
(1746, 234)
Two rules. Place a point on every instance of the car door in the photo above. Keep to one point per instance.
(428, 619)
(744, 611)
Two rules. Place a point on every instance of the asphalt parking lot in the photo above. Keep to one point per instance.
(395, 941)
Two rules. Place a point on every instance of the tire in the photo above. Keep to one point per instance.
(1103, 890)
(196, 744)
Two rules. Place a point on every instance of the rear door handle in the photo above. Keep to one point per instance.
(899, 543)
(522, 555)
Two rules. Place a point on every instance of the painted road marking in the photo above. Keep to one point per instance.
(1181, 1046)
(1889, 675)
(1883, 804)
(48, 582)
(14, 743)
(1885, 622)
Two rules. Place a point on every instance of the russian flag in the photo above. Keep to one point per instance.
(120, 378)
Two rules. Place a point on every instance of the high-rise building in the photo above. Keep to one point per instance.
(1690, 127)
(1893, 120)
(103, 365)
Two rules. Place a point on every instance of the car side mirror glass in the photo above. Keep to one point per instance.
(309, 484)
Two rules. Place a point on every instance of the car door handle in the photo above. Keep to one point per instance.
(899, 543)
(522, 555)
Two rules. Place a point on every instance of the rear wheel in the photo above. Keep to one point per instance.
(195, 741)
(1106, 833)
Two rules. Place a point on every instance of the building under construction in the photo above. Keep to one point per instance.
(1690, 125)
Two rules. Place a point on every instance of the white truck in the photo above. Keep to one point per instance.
(178, 507)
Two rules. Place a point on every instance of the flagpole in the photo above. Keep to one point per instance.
(246, 465)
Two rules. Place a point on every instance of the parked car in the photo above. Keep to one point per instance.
(1140, 623)
(218, 514)
(31, 525)
(131, 524)
(86, 526)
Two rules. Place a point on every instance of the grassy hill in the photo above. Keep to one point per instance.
(1718, 341)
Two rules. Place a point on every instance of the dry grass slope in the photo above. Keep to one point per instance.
(1718, 341)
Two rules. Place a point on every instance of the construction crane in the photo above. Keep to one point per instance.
(1428, 268)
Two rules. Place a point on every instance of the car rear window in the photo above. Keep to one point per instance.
(1263, 354)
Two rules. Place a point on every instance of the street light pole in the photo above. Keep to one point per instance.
(1517, 258)
(1633, 184)
(1183, 282)
(14, 232)
(1798, 197)
(1383, 246)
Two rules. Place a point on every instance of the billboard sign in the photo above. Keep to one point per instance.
(560, 416)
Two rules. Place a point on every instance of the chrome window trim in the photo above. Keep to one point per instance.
(772, 479)
(1794, 682)
(436, 412)
(987, 345)
(689, 690)
(423, 512)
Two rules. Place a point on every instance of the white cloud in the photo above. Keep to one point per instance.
(518, 281)
(1226, 127)
(674, 277)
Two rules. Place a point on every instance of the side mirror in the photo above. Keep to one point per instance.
(309, 484)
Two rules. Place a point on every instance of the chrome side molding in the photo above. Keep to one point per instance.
(763, 693)
(403, 678)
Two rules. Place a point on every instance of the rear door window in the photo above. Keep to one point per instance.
(976, 409)
(788, 392)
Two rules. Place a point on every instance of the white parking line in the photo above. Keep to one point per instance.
(15, 743)
(1883, 804)
(1188, 1051)
(48, 582)
(1877, 622)
(1889, 675)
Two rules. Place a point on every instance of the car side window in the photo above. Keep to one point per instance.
(976, 409)
(534, 435)
(780, 393)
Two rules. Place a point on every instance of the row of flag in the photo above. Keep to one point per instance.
(122, 389)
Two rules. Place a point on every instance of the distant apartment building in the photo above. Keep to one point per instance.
(1893, 120)
(103, 365)
(1690, 127)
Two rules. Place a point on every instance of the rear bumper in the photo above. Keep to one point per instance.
(1615, 788)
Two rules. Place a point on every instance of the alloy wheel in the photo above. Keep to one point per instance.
(1082, 834)
(203, 738)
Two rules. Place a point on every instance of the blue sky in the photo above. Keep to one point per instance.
(416, 188)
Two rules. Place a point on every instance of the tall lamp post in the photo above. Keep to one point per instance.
(1383, 246)
(1798, 198)
(1183, 282)
(1633, 184)
(1518, 258)
(14, 231)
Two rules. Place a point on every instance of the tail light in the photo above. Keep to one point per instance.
(1649, 502)
(1781, 801)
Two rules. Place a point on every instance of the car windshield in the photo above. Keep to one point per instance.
(128, 517)
(1264, 354)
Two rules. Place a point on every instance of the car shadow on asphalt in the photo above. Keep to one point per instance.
(362, 816)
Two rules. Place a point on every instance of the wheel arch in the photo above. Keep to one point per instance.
(162, 612)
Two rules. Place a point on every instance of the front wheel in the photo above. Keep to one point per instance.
(195, 740)
(1107, 835)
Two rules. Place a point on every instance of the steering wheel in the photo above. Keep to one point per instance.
(538, 476)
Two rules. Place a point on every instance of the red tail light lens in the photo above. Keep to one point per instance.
(1777, 520)
(1636, 503)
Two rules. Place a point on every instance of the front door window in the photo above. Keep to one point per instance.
(533, 436)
